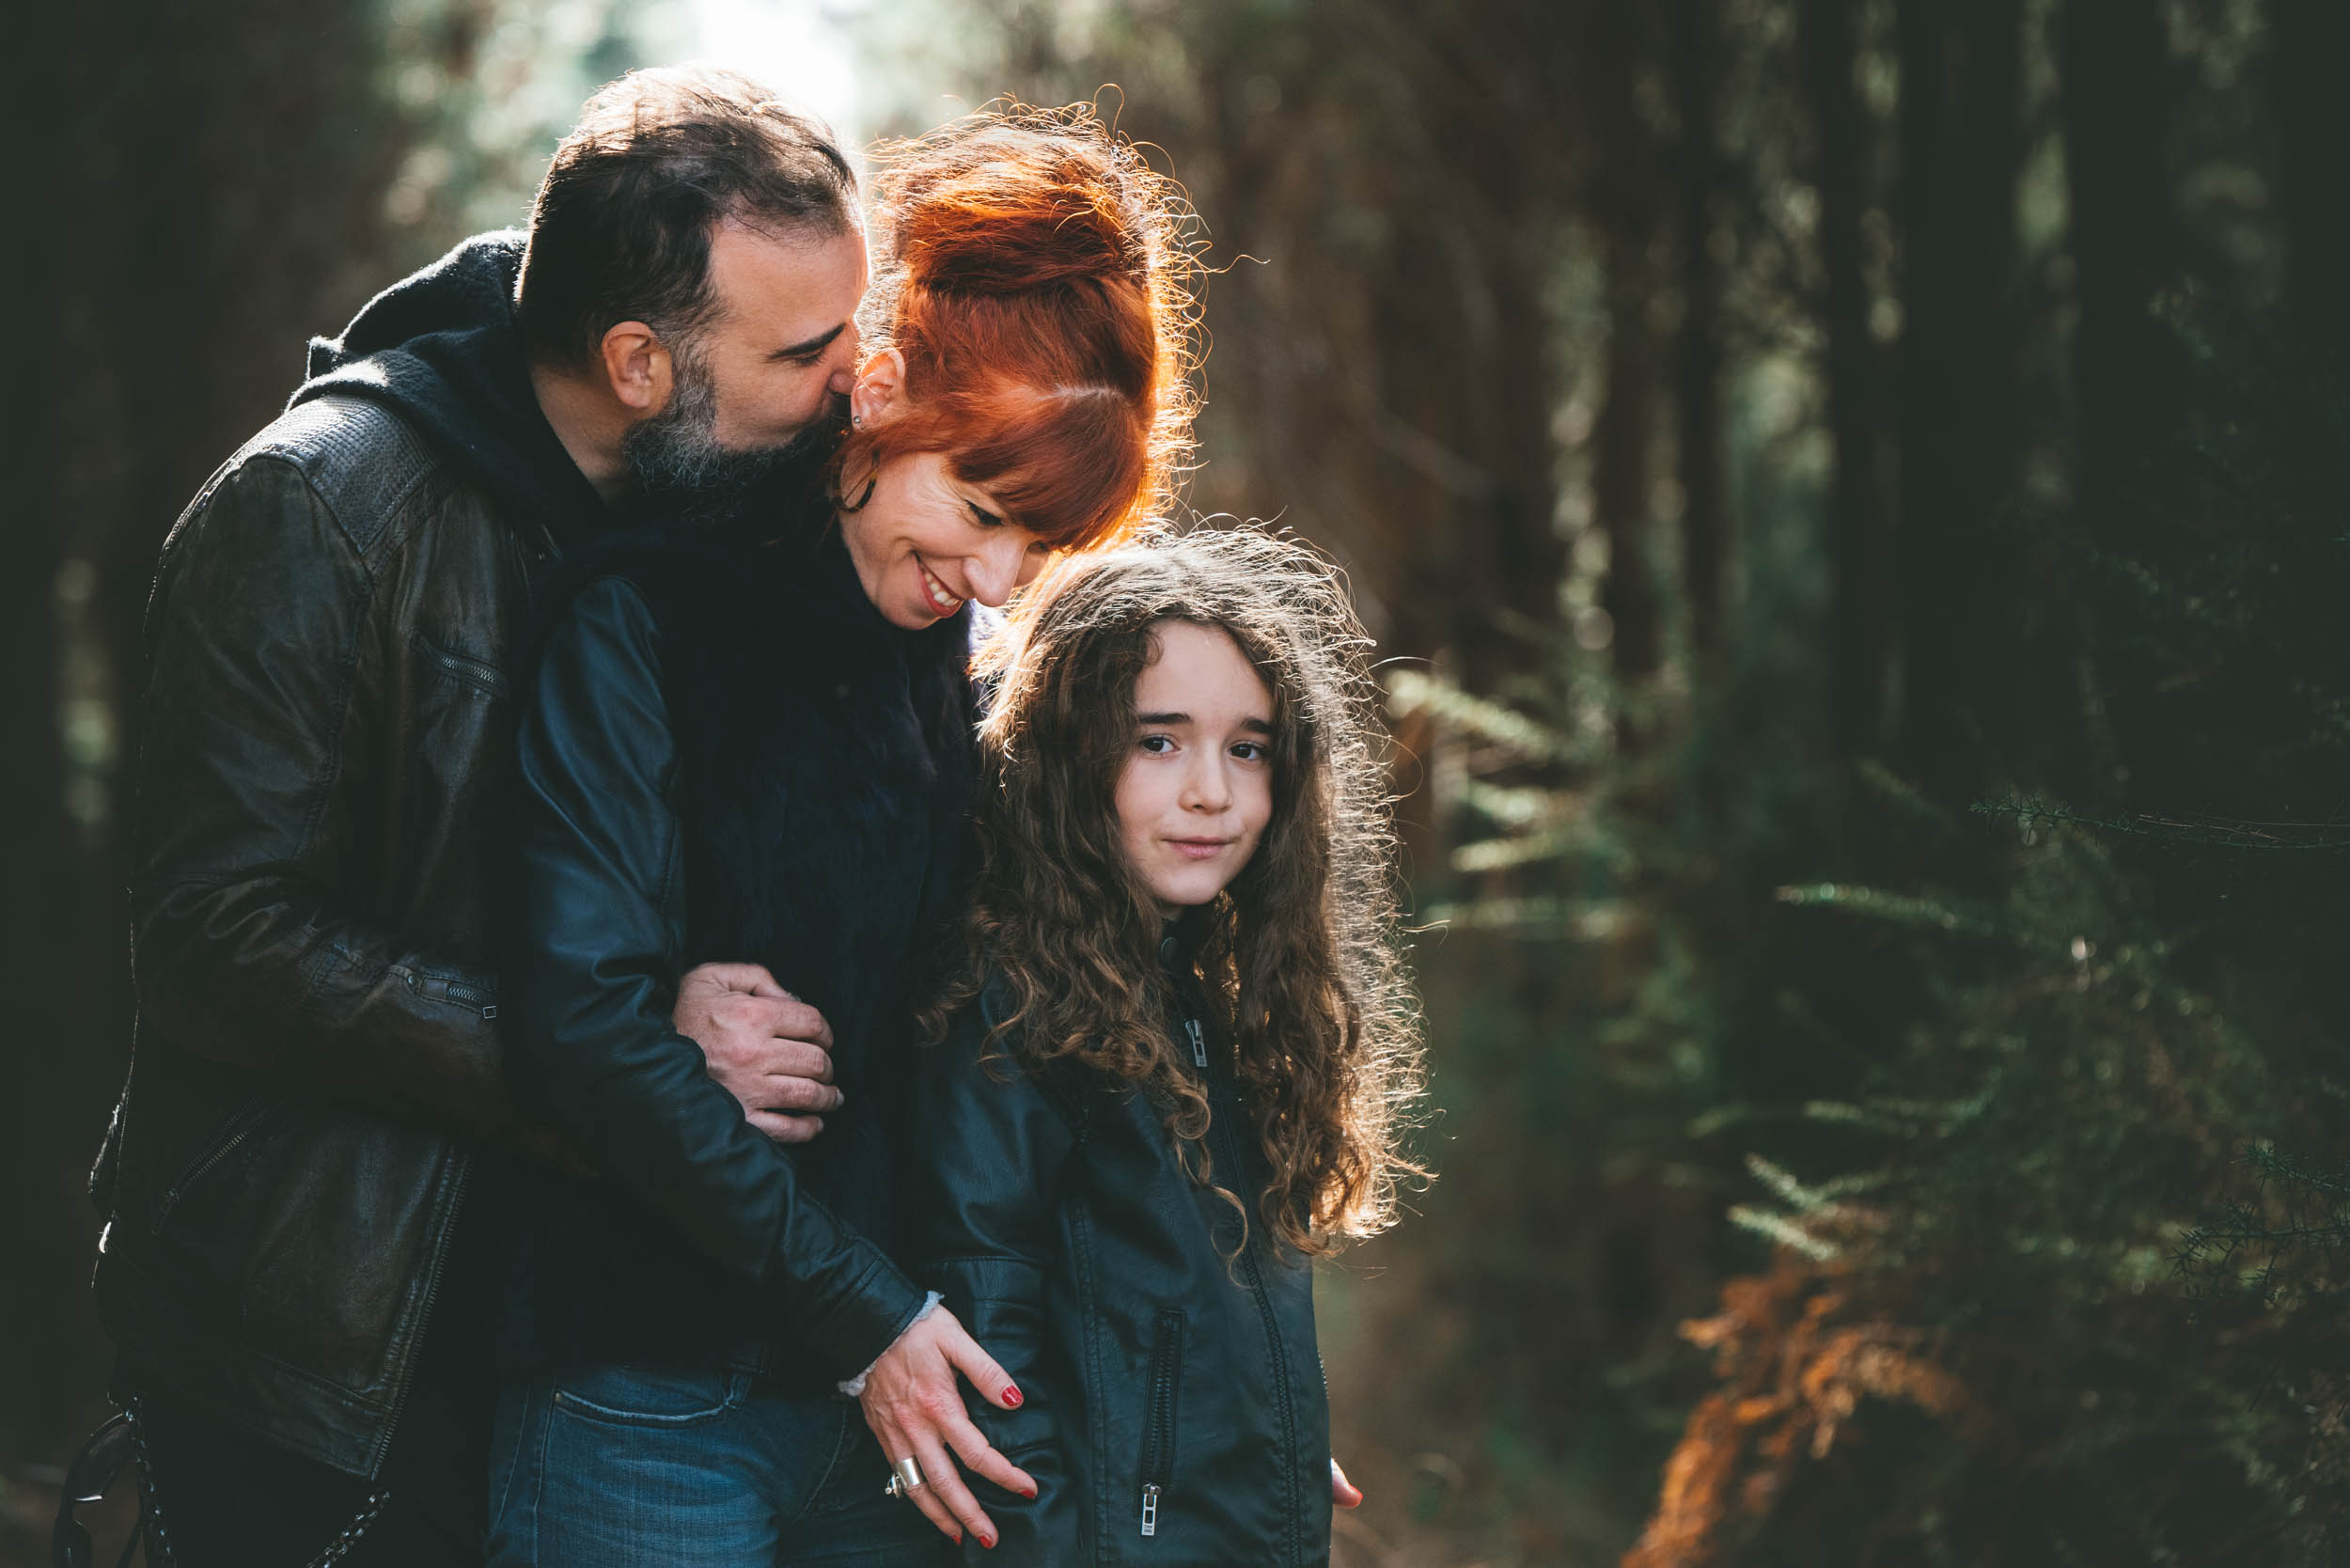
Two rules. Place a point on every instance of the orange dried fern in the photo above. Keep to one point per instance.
(1794, 1365)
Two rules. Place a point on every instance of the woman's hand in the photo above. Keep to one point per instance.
(1343, 1493)
(915, 1407)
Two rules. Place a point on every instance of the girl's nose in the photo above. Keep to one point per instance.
(1204, 784)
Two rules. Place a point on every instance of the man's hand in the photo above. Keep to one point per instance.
(766, 1047)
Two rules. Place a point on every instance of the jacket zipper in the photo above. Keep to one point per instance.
(240, 1127)
(424, 1318)
(1158, 1430)
(1224, 1125)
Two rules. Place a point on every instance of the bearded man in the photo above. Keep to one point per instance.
(292, 1265)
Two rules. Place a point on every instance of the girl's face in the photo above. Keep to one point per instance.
(1196, 787)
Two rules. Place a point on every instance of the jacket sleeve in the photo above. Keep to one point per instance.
(593, 977)
(246, 815)
(991, 1149)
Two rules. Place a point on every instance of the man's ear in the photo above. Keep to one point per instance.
(881, 388)
(636, 367)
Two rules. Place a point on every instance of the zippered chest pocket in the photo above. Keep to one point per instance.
(1158, 1421)
(231, 1137)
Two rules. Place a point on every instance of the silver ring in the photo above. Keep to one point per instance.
(906, 1481)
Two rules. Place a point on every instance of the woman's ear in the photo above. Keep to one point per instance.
(636, 367)
(881, 389)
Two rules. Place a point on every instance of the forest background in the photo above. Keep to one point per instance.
(1852, 494)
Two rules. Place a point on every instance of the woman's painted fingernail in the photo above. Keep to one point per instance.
(958, 1538)
(1011, 1396)
(988, 1541)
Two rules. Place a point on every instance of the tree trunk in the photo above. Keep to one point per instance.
(1959, 158)
(2311, 40)
(1624, 201)
(1857, 635)
(1706, 525)
(35, 1242)
(2124, 248)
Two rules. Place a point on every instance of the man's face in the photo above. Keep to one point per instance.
(782, 342)
(774, 360)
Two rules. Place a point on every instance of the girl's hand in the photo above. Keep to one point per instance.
(1342, 1492)
(915, 1407)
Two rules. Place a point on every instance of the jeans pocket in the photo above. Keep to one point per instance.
(649, 1396)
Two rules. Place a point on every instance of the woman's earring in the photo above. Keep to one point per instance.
(856, 421)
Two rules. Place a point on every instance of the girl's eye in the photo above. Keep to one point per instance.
(1157, 745)
(1251, 751)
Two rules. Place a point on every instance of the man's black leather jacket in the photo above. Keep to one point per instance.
(1174, 1407)
(319, 802)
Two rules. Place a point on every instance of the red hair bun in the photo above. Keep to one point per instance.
(1035, 274)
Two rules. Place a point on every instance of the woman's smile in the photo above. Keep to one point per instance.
(942, 602)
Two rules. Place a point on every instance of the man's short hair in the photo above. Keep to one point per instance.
(621, 230)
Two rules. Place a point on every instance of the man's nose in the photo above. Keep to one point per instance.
(843, 357)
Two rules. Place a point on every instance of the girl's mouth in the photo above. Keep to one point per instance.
(1199, 849)
(935, 594)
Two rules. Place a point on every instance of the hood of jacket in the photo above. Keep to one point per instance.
(442, 348)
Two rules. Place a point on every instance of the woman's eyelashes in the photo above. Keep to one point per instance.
(983, 517)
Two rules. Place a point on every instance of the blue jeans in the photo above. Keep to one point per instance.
(606, 1466)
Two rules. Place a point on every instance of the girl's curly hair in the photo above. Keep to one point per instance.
(1301, 952)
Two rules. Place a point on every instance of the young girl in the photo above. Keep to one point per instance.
(1180, 1064)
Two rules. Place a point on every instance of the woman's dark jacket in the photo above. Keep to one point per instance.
(1174, 1409)
(730, 756)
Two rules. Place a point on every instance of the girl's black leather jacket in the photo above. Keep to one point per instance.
(1174, 1409)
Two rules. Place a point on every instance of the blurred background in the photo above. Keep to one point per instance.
(1852, 495)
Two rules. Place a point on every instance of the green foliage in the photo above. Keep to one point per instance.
(2056, 1089)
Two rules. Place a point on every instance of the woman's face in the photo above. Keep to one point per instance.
(925, 541)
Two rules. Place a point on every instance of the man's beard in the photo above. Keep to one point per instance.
(677, 461)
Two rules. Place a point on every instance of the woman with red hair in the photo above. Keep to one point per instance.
(752, 742)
